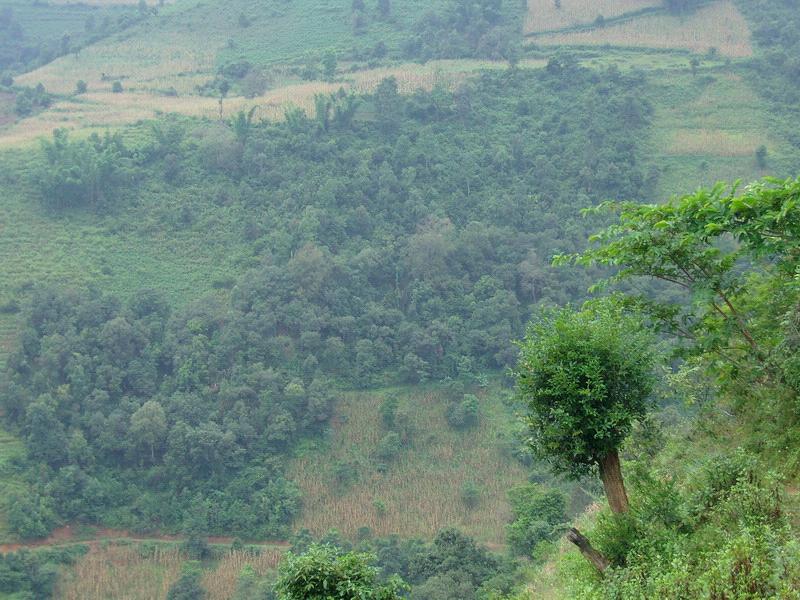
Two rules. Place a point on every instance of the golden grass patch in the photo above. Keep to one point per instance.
(220, 582)
(421, 489)
(100, 108)
(120, 571)
(544, 16)
(719, 25)
(138, 62)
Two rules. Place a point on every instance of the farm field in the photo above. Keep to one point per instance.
(101, 109)
(146, 571)
(420, 490)
(718, 26)
(707, 128)
(544, 15)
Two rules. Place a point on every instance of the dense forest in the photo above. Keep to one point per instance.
(375, 254)
(460, 218)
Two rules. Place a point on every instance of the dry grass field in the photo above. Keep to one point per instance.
(180, 61)
(544, 16)
(124, 571)
(719, 25)
(101, 109)
(421, 489)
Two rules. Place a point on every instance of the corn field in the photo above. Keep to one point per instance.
(719, 25)
(544, 16)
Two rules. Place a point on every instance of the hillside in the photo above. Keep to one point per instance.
(270, 221)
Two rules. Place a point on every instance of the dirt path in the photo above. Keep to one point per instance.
(67, 536)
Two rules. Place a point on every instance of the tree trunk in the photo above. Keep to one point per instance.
(611, 474)
(600, 562)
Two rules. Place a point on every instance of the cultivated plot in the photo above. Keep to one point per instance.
(719, 26)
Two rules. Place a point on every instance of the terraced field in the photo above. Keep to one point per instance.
(719, 26)
(544, 15)
(420, 491)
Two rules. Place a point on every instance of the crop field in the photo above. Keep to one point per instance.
(719, 25)
(146, 571)
(78, 249)
(544, 16)
(419, 493)
(707, 129)
(101, 109)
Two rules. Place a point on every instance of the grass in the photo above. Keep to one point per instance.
(544, 16)
(82, 248)
(719, 25)
(421, 489)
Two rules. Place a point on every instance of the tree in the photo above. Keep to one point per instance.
(537, 514)
(81, 87)
(329, 66)
(116, 87)
(384, 8)
(324, 573)
(585, 378)
(189, 586)
(761, 157)
(149, 426)
(683, 244)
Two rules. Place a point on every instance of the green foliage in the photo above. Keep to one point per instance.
(30, 100)
(686, 243)
(585, 378)
(83, 173)
(775, 27)
(31, 514)
(35, 33)
(33, 574)
(463, 414)
(466, 28)
(471, 495)
(189, 585)
(725, 536)
(170, 462)
(323, 573)
(538, 515)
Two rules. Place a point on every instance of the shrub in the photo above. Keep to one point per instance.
(464, 414)
(471, 495)
(538, 516)
(116, 87)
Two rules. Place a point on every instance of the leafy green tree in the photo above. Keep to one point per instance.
(323, 573)
(685, 243)
(585, 378)
(329, 66)
(538, 513)
(149, 427)
(81, 87)
(189, 585)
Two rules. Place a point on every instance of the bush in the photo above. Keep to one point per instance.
(189, 586)
(81, 87)
(538, 517)
(464, 414)
(471, 495)
(116, 87)
(323, 572)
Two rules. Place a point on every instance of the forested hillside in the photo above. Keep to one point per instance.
(397, 299)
